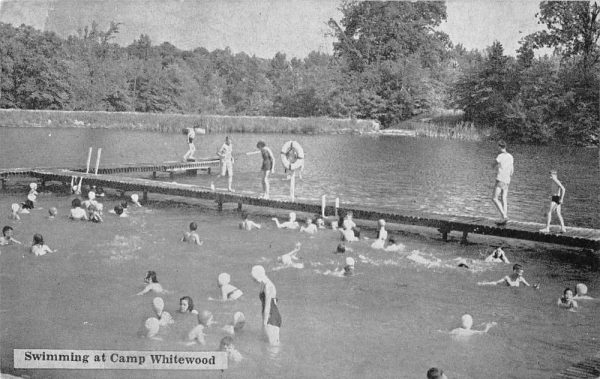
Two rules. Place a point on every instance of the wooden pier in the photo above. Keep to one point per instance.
(587, 369)
(575, 237)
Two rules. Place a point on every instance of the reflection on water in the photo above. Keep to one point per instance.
(399, 173)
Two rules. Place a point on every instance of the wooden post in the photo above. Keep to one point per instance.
(220, 202)
(293, 186)
(445, 230)
(464, 240)
(323, 204)
(145, 196)
(239, 207)
(98, 154)
(595, 259)
(153, 174)
(208, 171)
(337, 205)
(89, 160)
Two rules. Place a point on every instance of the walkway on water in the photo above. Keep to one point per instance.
(587, 369)
(575, 237)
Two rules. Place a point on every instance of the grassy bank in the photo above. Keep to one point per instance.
(174, 123)
(446, 124)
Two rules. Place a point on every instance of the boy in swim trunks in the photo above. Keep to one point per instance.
(191, 134)
(225, 154)
(267, 167)
(512, 280)
(558, 194)
(504, 164)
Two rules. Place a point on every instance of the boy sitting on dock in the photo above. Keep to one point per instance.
(192, 236)
(512, 280)
(558, 194)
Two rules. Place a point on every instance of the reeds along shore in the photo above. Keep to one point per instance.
(174, 123)
(461, 130)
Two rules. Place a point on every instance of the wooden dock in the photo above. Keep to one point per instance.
(575, 237)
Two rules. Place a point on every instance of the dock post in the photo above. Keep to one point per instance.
(239, 206)
(292, 186)
(595, 258)
(3, 179)
(464, 240)
(445, 230)
(219, 202)
(337, 205)
(145, 196)
(171, 174)
(208, 171)
(323, 202)
(153, 174)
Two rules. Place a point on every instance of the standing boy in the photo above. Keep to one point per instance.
(504, 165)
(558, 193)
(225, 153)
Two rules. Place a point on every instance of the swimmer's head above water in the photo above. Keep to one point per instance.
(186, 304)
(258, 273)
(38, 239)
(52, 211)
(205, 318)
(151, 277)
(292, 216)
(466, 321)
(158, 304)
(193, 226)
(223, 279)
(152, 325)
(518, 269)
(581, 289)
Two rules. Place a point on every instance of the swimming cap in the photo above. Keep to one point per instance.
(91, 195)
(204, 317)
(134, 197)
(158, 304)
(223, 279)
(52, 210)
(381, 222)
(292, 216)
(15, 207)
(350, 261)
(33, 186)
(467, 321)
(258, 272)
(238, 318)
(152, 325)
(581, 289)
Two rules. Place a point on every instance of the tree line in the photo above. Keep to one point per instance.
(390, 63)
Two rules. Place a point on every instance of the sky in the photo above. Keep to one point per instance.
(259, 27)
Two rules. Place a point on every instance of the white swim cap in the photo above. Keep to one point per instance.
(223, 279)
(91, 195)
(258, 272)
(15, 207)
(152, 325)
(381, 222)
(33, 186)
(581, 289)
(350, 261)
(158, 304)
(238, 317)
(134, 197)
(204, 317)
(292, 216)
(467, 321)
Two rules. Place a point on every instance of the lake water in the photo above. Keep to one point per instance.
(390, 320)
(398, 173)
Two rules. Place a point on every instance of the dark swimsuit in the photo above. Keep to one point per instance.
(190, 139)
(267, 164)
(556, 199)
(274, 316)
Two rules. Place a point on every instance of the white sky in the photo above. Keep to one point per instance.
(262, 27)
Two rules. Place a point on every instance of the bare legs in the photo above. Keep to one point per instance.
(502, 206)
(265, 184)
(554, 207)
(190, 152)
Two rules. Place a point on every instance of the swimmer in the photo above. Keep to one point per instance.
(310, 228)
(151, 328)
(77, 213)
(394, 246)
(164, 317)
(581, 292)
(497, 256)
(290, 259)
(349, 267)
(247, 224)
(52, 211)
(342, 249)
(512, 280)
(239, 320)
(7, 236)
(271, 319)
(436, 373)
(119, 211)
(227, 346)
(196, 335)
(91, 200)
(14, 212)
(186, 305)
(33, 191)
(348, 234)
(348, 223)
(228, 291)
(192, 236)
(39, 248)
(566, 301)
(135, 199)
(206, 319)
(94, 213)
(381, 236)
(465, 330)
(319, 222)
(290, 224)
(152, 284)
